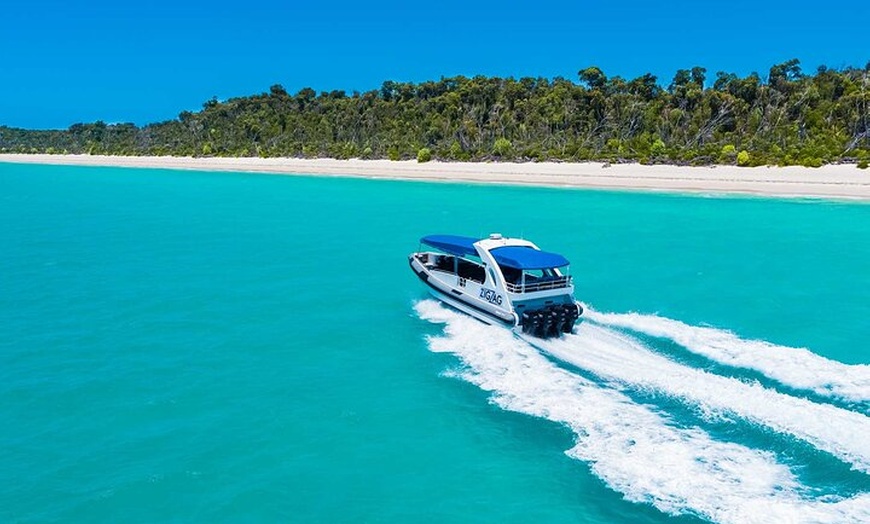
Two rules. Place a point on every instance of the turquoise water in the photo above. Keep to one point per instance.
(201, 347)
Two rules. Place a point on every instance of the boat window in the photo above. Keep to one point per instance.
(471, 271)
(511, 274)
(444, 263)
(540, 274)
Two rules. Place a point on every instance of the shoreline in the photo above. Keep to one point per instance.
(843, 181)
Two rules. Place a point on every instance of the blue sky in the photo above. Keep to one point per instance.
(63, 62)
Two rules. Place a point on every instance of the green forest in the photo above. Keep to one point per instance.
(786, 117)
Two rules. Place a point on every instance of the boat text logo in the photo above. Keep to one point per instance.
(490, 296)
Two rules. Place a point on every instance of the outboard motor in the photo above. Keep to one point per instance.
(550, 321)
(526, 321)
(572, 313)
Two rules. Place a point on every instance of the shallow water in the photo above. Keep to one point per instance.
(217, 346)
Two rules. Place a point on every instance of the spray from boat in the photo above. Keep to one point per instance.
(640, 450)
(797, 368)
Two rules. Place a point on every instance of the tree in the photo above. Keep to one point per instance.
(658, 148)
(592, 77)
(791, 119)
(698, 75)
(728, 155)
(278, 90)
(782, 74)
(681, 80)
(502, 147)
(645, 87)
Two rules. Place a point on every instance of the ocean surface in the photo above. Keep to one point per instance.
(180, 346)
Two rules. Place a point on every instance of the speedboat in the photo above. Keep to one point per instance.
(500, 280)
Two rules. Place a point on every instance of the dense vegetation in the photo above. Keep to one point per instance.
(788, 118)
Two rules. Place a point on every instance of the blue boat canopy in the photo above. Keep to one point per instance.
(453, 244)
(523, 257)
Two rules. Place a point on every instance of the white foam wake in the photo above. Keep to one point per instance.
(633, 449)
(795, 367)
(620, 358)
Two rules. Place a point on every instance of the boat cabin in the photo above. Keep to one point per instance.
(520, 269)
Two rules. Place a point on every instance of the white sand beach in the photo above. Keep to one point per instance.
(834, 181)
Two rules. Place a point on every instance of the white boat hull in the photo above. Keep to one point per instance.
(463, 307)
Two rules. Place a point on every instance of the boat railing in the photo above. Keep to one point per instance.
(539, 285)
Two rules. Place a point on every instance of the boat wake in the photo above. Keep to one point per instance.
(584, 381)
(798, 368)
(617, 358)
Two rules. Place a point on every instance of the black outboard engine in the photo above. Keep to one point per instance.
(550, 321)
